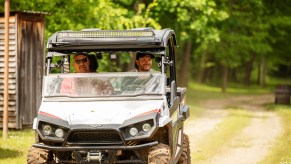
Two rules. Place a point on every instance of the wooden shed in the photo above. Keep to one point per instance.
(26, 60)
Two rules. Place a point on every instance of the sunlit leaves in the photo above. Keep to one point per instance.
(195, 19)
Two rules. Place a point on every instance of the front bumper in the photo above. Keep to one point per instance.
(72, 148)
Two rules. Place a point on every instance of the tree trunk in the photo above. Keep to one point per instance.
(259, 74)
(248, 70)
(201, 73)
(262, 72)
(184, 70)
(233, 75)
(224, 80)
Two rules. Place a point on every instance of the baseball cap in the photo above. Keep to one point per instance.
(141, 54)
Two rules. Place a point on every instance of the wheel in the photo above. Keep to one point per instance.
(159, 154)
(39, 156)
(185, 157)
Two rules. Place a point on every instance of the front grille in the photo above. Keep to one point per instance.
(96, 137)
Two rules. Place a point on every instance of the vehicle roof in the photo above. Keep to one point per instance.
(141, 39)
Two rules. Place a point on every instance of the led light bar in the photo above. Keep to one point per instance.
(106, 34)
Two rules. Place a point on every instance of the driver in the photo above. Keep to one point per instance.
(72, 86)
(81, 63)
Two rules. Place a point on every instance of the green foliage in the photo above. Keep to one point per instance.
(191, 19)
(243, 34)
(223, 33)
(253, 32)
(79, 14)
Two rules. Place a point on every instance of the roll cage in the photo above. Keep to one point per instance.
(162, 43)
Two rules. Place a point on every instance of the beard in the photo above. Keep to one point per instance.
(145, 68)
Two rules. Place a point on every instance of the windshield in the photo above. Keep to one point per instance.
(101, 84)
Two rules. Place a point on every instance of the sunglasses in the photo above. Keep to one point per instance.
(81, 61)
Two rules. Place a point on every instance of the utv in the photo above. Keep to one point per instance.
(139, 121)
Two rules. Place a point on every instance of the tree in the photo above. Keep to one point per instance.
(279, 16)
(79, 14)
(243, 38)
(194, 24)
(229, 38)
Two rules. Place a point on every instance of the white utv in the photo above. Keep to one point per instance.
(138, 120)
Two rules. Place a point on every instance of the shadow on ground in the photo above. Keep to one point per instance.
(7, 153)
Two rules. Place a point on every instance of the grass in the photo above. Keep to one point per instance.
(275, 81)
(200, 92)
(209, 145)
(14, 149)
(281, 151)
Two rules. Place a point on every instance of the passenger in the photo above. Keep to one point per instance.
(143, 62)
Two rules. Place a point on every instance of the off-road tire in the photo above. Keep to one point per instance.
(39, 156)
(159, 154)
(185, 157)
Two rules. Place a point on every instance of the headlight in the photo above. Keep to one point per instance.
(138, 130)
(146, 127)
(54, 132)
(59, 133)
(133, 131)
(47, 129)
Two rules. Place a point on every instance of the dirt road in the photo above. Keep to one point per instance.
(251, 144)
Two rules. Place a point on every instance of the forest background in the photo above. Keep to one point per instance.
(221, 42)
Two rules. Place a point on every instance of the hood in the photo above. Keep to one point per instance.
(104, 112)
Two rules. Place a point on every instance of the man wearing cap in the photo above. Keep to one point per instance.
(73, 86)
(143, 62)
(81, 63)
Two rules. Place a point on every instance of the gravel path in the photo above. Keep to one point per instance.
(251, 145)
